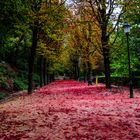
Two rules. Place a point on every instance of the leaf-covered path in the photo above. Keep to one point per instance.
(70, 110)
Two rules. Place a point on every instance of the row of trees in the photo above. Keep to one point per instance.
(49, 37)
(99, 31)
(28, 29)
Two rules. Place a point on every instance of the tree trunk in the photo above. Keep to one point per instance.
(78, 72)
(32, 59)
(85, 72)
(107, 68)
(41, 71)
(47, 78)
(106, 53)
(47, 72)
(105, 40)
(44, 71)
(88, 71)
(50, 78)
(53, 77)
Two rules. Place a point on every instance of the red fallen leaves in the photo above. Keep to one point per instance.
(70, 110)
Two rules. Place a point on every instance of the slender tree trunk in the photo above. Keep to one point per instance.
(47, 78)
(47, 72)
(107, 68)
(106, 53)
(105, 40)
(50, 78)
(2, 56)
(85, 72)
(78, 71)
(53, 77)
(88, 71)
(75, 71)
(41, 71)
(32, 59)
(44, 71)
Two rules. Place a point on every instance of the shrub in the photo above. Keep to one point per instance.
(4, 85)
(19, 85)
(3, 70)
(116, 80)
(2, 77)
(2, 95)
(121, 80)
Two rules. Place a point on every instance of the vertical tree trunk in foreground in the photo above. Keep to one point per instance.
(107, 68)
(32, 59)
(106, 56)
(104, 22)
(105, 45)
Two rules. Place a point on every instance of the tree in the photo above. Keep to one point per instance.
(45, 18)
(81, 39)
(102, 13)
(132, 16)
(11, 20)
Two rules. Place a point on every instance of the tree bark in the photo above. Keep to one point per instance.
(88, 71)
(41, 71)
(85, 72)
(32, 58)
(75, 70)
(104, 40)
(107, 67)
(105, 46)
(53, 77)
(47, 72)
(50, 78)
(47, 78)
(78, 71)
(44, 71)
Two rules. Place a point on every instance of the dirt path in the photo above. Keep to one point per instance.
(70, 110)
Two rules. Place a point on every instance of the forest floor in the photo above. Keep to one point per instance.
(71, 110)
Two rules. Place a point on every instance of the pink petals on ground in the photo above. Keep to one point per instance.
(71, 110)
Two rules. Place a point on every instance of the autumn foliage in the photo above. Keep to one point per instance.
(71, 110)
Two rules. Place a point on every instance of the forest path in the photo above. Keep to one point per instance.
(71, 110)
